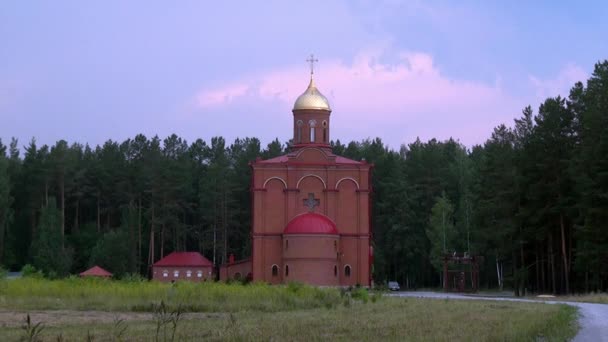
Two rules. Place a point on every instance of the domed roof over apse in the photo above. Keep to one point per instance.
(311, 223)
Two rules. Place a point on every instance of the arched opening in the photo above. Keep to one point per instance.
(286, 244)
(312, 124)
(287, 270)
(347, 271)
(275, 270)
(299, 131)
(237, 276)
(325, 132)
(335, 271)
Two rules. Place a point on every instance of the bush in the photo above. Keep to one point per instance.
(3, 272)
(361, 294)
(133, 278)
(29, 271)
(294, 286)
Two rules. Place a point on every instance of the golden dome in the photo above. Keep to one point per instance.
(312, 99)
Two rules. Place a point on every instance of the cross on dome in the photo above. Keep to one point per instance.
(312, 97)
(312, 61)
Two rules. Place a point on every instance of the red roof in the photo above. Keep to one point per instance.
(285, 159)
(311, 223)
(184, 259)
(95, 271)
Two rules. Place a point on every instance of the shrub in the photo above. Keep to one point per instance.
(3, 272)
(132, 278)
(294, 286)
(361, 294)
(29, 270)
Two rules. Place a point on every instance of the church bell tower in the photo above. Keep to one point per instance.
(311, 113)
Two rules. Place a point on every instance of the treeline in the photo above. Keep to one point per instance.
(533, 200)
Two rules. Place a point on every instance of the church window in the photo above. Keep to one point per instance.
(165, 273)
(199, 274)
(287, 270)
(335, 271)
(336, 246)
(275, 270)
(325, 131)
(188, 273)
(175, 274)
(312, 124)
(299, 125)
(286, 244)
(347, 271)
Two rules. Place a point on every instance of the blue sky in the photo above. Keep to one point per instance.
(92, 71)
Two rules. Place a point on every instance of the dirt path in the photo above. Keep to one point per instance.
(11, 318)
(593, 318)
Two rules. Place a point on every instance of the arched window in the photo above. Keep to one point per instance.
(275, 270)
(188, 273)
(312, 124)
(175, 274)
(165, 273)
(335, 271)
(199, 274)
(325, 131)
(287, 270)
(347, 271)
(335, 245)
(286, 244)
(299, 125)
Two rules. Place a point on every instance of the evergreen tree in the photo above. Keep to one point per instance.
(441, 231)
(48, 252)
(5, 202)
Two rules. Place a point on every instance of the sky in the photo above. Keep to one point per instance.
(90, 71)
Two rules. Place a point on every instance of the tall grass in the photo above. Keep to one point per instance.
(390, 319)
(109, 295)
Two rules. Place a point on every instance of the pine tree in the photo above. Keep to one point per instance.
(6, 201)
(48, 252)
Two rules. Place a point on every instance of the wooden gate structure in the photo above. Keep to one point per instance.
(461, 272)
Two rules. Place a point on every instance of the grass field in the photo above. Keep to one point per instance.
(295, 312)
(107, 295)
(599, 298)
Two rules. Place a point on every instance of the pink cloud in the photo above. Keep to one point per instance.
(411, 93)
(221, 96)
(414, 83)
(560, 84)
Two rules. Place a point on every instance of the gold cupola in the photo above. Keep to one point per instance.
(312, 99)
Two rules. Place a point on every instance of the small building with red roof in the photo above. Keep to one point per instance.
(96, 271)
(191, 266)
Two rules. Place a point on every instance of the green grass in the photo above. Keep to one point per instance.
(599, 298)
(74, 308)
(393, 319)
(108, 295)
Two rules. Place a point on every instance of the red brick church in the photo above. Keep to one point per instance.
(311, 208)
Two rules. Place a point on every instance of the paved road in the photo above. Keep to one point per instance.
(593, 318)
